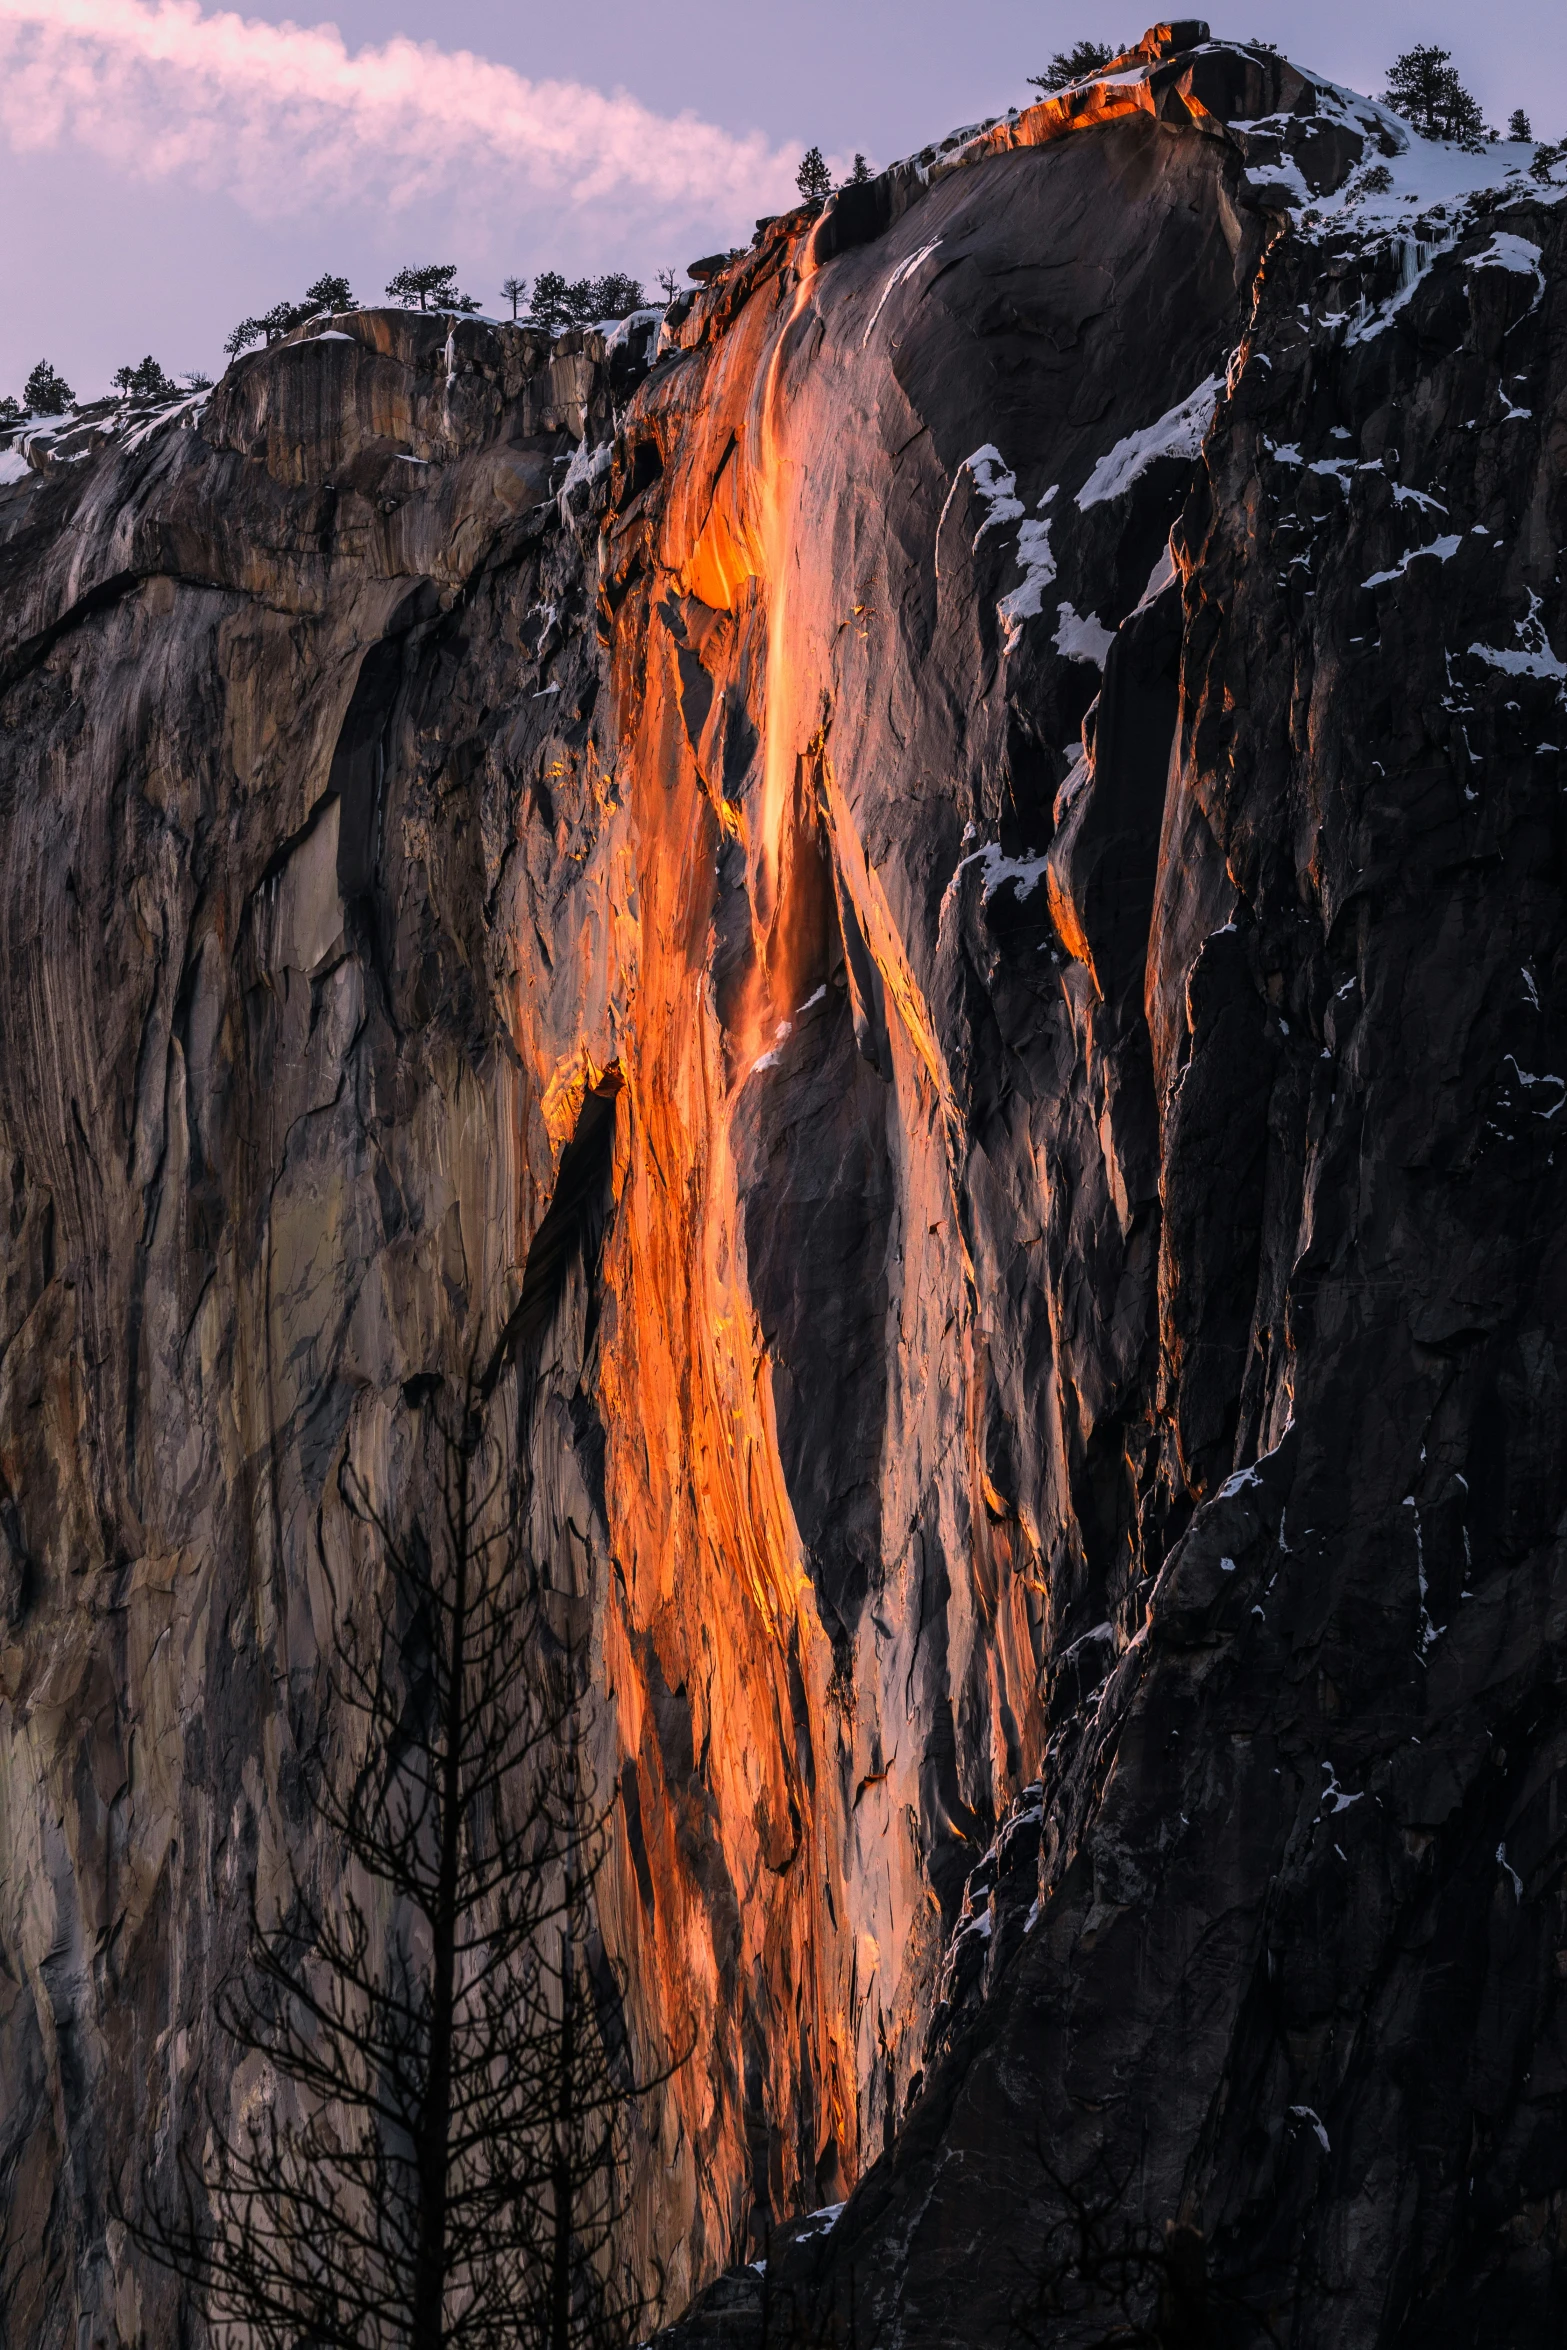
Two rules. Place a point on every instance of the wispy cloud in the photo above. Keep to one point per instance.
(285, 117)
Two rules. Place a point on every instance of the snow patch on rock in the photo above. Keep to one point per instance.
(1178, 433)
(1082, 636)
(1442, 550)
(1037, 563)
(1531, 656)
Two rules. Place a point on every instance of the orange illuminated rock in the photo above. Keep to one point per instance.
(811, 886)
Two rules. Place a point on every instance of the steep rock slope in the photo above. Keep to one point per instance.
(1289, 1974)
(1021, 1264)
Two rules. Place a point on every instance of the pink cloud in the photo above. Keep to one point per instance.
(285, 117)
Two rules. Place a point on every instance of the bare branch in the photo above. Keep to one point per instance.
(431, 2148)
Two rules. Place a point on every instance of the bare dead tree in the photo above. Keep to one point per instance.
(582, 2291)
(429, 2151)
(1101, 2278)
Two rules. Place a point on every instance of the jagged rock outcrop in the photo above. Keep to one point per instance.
(936, 913)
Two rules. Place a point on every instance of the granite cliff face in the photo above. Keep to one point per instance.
(927, 902)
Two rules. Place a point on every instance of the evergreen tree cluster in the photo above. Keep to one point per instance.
(431, 286)
(148, 381)
(559, 302)
(45, 393)
(1072, 65)
(1423, 86)
(145, 381)
(329, 294)
(814, 179)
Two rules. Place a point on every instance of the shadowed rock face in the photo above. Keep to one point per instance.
(931, 931)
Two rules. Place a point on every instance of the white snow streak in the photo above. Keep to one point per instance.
(1178, 433)
(905, 269)
(1443, 549)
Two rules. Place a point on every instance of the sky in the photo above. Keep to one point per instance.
(168, 167)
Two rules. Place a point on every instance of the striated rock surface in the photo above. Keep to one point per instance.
(933, 916)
